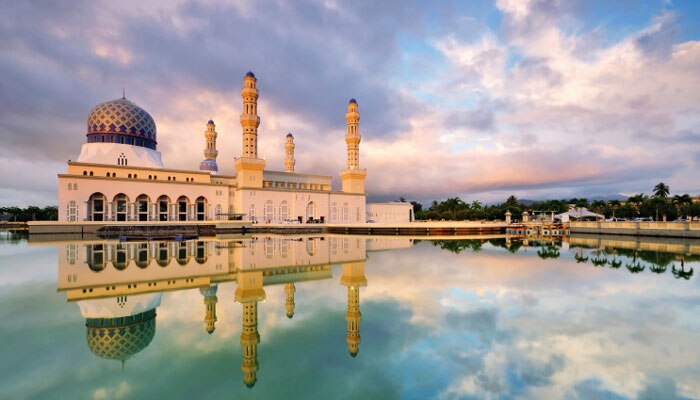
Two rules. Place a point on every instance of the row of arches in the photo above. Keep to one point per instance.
(121, 256)
(144, 208)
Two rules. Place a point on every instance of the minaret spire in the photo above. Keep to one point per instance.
(353, 137)
(289, 153)
(249, 117)
(353, 178)
(249, 168)
(210, 152)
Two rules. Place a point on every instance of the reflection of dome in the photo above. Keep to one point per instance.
(208, 165)
(120, 338)
(121, 121)
(353, 354)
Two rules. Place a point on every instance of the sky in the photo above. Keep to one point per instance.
(479, 99)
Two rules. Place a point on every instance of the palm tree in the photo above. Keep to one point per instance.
(661, 190)
(680, 201)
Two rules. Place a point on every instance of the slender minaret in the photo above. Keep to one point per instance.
(353, 137)
(353, 277)
(249, 167)
(289, 290)
(249, 117)
(289, 153)
(353, 178)
(210, 301)
(210, 152)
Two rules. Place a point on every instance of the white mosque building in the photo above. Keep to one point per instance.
(119, 176)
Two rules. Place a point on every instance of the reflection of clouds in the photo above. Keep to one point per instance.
(542, 327)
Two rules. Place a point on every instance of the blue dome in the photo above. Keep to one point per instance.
(251, 74)
(121, 121)
(208, 165)
(211, 121)
(290, 134)
(352, 101)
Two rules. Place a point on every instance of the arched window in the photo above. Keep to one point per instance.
(75, 186)
(284, 210)
(346, 212)
(310, 210)
(72, 211)
(163, 204)
(201, 208)
(91, 174)
(252, 212)
(182, 205)
(84, 173)
(334, 211)
(121, 206)
(142, 203)
(96, 207)
(269, 211)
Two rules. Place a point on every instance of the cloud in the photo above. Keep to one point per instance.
(452, 100)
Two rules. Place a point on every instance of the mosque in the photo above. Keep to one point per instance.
(119, 176)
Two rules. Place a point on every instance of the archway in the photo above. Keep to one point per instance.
(121, 207)
(182, 204)
(310, 211)
(96, 207)
(201, 208)
(163, 205)
(142, 203)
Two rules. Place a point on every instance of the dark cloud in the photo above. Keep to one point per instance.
(481, 119)
(536, 69)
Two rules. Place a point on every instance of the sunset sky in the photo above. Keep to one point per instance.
(479, 99)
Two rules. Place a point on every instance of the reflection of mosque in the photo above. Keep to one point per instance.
(118, 286)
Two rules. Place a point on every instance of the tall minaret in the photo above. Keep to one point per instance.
(289, 290)
(353, 177)
(248, 292)
(249, 167)
(353, 137)
(210, 301)
(249, 117)
(210, 152)
(353, 277)
(289, 153)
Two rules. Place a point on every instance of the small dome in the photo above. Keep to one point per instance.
(208, 165)
(211, 121)
(353, 354)
(120, 338)
(121, 121)
(352, 101)
(290, 135)
(250, 74)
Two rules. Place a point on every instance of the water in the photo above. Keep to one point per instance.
(446, 319)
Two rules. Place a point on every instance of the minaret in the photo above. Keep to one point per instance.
(210, 301)
(353, 277)
(249, 167)
(353, 137)
(289, 153)
(248, 292)
(249, 117)
(210, 152)
(353, 177)
(289, 290)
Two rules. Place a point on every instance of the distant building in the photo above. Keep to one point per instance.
(119, 175)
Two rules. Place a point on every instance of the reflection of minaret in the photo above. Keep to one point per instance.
(353, 277)
(289, 290)
(248, 293)
(210, 301)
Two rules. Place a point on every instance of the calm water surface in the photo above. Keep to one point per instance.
(321, 317)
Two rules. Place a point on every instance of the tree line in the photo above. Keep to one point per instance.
(658, 205)
(30, 213)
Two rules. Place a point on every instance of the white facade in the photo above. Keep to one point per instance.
(390, 212)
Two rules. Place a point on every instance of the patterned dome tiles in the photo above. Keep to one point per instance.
(121, 116)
